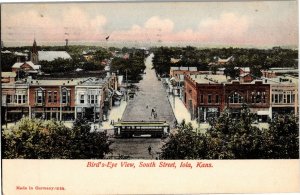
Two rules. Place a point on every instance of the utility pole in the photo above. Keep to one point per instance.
(126, 97)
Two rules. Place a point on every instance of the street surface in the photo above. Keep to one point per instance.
(151, 95)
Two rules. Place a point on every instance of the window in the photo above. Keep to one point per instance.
(217, 99)
(82, 98)
(209, 98)
(15, 99)
(263, 97)
(55, 96)
(280, 98)
(24, 99)
(19, 99)
(49, 96)
(39, 97)
(93, 99)
(201, 98)
(276, 98)
(288, 97)
(293, 98)
(8, 99)
(258, 97)
(64, 99)
(235, 98)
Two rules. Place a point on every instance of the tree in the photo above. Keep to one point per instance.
(7, 61)
(235, 138)
(38, 139)
(86, 144)
(185, 144)
(283, 137)
(256, 71)
(231, 70)
(133, 67)
(57, 65)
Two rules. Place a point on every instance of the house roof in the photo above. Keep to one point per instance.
(225, 60)
(19, 64)
(174, 60)
(52, 55)
(8, 74)
(20, 54)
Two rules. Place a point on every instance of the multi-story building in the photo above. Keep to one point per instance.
(14, 101)
(256, 95)
(90, 96)
(206, 96)
(283, 95)
(52, 99)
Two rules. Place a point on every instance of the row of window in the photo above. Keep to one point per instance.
(285, 98)
(17, 99)
(210, 99)
(52, 96)
(91, 99)
(235, 98)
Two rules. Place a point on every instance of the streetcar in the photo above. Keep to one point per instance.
(127, 129)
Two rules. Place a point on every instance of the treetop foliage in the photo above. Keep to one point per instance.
(236, 138)
(39, 139)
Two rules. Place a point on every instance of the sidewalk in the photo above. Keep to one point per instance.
(114, 115)
(181, 112)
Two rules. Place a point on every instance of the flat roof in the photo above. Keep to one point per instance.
(205, 78)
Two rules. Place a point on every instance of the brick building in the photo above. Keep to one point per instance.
(256, 95)
(206, 96)
(52, 99)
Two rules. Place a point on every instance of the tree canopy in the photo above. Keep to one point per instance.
(236, 138)
(38, 139)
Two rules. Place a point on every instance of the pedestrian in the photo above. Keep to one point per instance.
(149, 149)
(111, 122)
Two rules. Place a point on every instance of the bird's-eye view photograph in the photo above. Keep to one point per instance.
(132, 97)
(140, 81)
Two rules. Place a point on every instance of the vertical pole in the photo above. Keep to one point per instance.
(60, 104)
(126, 87)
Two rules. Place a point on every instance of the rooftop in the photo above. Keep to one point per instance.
(8, 74)
(19, 64)
(205, 78)
(52, 55)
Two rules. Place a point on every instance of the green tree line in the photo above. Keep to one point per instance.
(39, 139)
(236, 138)
(243, 57)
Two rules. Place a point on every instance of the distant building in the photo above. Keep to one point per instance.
(52, 55)
(27, 67)
(37, 56)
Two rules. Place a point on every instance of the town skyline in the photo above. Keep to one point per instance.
(218, 24)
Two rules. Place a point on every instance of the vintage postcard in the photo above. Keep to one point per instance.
(150, 97)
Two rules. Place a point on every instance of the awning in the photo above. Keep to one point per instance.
(262, 112)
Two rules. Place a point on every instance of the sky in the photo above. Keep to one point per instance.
(207, 24)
